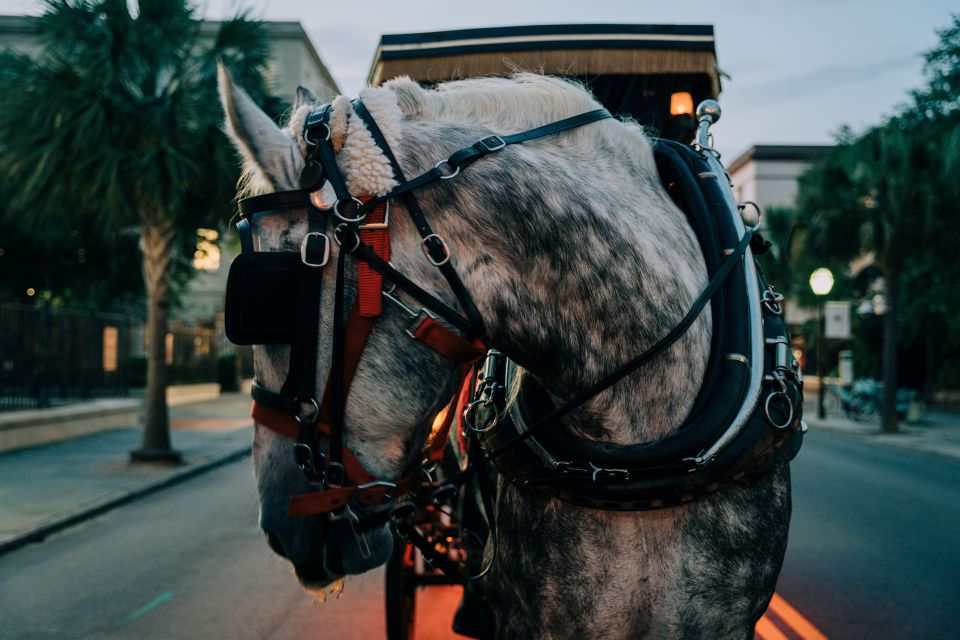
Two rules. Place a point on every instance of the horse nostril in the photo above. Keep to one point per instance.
(275, 544)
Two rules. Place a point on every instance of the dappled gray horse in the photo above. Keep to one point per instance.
(576, 258)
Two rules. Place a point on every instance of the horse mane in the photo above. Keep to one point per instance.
(520, 101)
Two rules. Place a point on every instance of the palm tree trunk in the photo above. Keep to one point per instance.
(889, 404)
(157, 237)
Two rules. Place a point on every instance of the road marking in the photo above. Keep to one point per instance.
(794, 619)
(147, 608)
(766, 630)
(785, 622)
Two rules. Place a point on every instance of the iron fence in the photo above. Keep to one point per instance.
(51, 356)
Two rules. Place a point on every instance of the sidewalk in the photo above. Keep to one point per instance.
(47, 488)
(938, 432)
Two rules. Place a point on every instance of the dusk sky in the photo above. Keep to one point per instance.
(798, 70)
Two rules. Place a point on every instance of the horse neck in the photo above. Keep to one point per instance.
(577, 264)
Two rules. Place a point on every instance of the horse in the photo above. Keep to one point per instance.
(575, 257)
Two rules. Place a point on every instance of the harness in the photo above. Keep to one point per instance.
(745, 420)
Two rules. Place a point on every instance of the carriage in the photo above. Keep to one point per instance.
(705, 430)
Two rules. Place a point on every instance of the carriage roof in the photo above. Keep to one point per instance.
(631, 68)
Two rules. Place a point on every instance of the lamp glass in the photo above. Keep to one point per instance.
(681, 104)
(821, 281)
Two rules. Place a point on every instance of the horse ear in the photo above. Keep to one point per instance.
(410, 96)
(267, 151)
(304, 98)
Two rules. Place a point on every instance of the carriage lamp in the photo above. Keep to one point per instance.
(821, 282)
(681, 103)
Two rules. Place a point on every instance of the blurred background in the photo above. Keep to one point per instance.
(840, 123)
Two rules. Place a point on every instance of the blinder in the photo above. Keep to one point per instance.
(263, 291)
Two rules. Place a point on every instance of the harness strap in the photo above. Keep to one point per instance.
(435, 247)
(726, 268)
(491, 144)
(369, 490)
(448, 344)
(408, 286)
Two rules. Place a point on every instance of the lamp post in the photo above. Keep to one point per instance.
(821, 282)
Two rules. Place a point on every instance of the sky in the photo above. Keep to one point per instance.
(798, 70)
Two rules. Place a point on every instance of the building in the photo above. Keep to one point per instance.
(767, 173)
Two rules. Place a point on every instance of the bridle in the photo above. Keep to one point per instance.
(361, 229)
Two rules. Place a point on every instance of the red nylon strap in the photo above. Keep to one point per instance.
(357, 333)
(317, 502)
(287, 425)
(466, 390)
(447, 343)
(328, 500)
(369, 281)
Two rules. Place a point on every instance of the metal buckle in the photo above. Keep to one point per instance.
(306, 461)
(378, 226)
(492, 143)
(336, 211)
(418, 319)
(390, 486)
(335, 474)
(326, 249)
(426, 249)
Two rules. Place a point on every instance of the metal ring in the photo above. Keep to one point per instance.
(336, 236)
(446, 176)
(312, 143)
(314, 412)
(426, 251)
(766, 410)
(336, 211)
(468, 417)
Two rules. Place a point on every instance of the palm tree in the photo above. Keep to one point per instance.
(117, 123)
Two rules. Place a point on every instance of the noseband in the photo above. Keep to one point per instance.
(275, 298)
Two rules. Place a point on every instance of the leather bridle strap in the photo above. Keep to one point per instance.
(435, 247)
(463, 158)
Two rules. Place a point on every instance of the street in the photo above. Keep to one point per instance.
(872, 555)
(873, 544)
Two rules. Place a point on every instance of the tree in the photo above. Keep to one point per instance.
(892, 192)
(116, 126)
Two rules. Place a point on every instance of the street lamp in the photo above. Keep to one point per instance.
(821, 281)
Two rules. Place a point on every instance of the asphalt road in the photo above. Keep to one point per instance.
(873, 554)
(874, 546)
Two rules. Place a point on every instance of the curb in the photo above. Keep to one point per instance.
(870, 436)
(40, 533)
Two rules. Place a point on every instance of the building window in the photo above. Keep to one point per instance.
(110, 335)
(207, 255)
